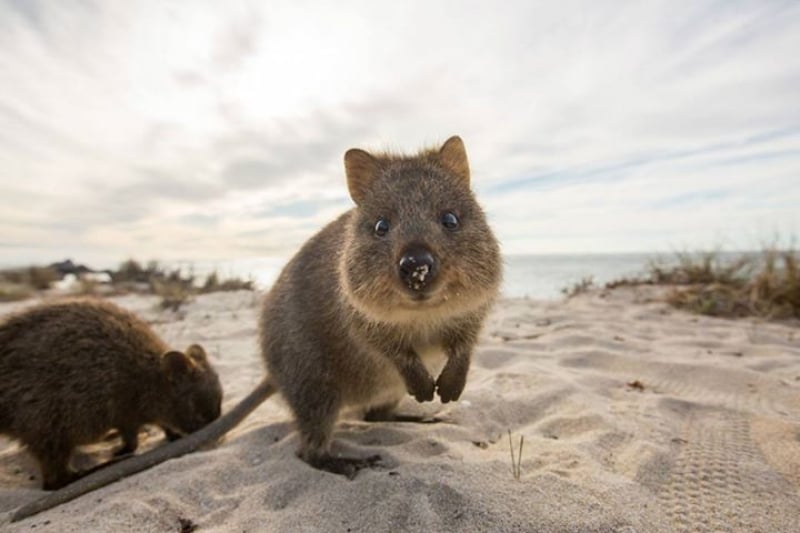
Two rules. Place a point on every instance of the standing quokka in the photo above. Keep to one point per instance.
(72, 371)
(374, 304)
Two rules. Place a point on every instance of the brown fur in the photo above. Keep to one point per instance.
(340, 329)
(72, 371)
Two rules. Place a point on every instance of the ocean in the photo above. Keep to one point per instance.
(534, 276)
(545, 276)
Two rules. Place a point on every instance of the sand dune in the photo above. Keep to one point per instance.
(636, 417)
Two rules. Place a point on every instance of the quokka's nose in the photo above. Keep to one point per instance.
(417, 268)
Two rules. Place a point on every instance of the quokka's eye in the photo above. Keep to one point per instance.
(450, 221)
(381, 227)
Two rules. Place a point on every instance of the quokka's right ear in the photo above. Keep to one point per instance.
(177, 364)
(453, 156)
(361, 169)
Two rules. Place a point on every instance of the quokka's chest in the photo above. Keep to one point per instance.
(433, 356)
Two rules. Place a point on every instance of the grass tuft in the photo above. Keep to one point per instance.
(764, 284)
(584, 285)
(36, 278)
(516, 461)
(213, 284)
(13, 292)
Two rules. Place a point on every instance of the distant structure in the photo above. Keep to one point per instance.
(70, 275)
(68, 267)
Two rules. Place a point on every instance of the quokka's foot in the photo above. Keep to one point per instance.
(377, 416)
(346, 466)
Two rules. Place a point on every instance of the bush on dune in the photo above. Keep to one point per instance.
(764, 284)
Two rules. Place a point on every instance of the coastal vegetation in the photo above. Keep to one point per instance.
(174, 286)
(764, 284)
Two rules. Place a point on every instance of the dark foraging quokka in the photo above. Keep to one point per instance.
(370, 308)
(72, 371)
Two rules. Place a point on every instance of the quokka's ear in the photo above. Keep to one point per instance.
(197, 354)
(361, 169)
(453, 157)
(177, 364)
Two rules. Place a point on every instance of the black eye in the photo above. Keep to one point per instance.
(381, 227)
(450, 221)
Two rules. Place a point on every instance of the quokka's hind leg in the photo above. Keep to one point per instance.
(130, 441)
(171, 435)
(382, 413)
(316, 408)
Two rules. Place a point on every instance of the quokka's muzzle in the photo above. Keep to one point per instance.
(417, 268)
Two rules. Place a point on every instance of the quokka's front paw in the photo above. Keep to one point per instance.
(450, 385)
(422, 388)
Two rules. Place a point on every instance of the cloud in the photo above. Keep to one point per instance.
(281, 161)
(734, 151)
(153, 130)
(238, 40)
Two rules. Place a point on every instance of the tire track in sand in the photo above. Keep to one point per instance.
(720, 480)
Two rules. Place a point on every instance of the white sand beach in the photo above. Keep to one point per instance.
(635, 417)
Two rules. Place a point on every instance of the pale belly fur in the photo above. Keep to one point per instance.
(389, 388)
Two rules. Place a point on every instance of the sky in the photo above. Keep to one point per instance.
(215, 130)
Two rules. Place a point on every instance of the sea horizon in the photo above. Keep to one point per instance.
(537, 276)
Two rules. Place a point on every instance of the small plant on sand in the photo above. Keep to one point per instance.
(34, 277)
(213, 284)
(40, 278)
(13, 293)
(132, 272)
(173, 287)
(173, 295)
(516, 461)
(579, 287)
(22, 283)
(88, 287)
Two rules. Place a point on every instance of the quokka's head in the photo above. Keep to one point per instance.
(193, 396)
(417, 240)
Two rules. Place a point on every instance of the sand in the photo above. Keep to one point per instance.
(635, 417)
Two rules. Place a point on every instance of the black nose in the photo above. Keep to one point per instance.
(417, 268)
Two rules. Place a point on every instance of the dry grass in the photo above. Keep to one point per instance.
(702, 268)
(584, 285)
(173, 294)
(516, 460)
(21, 283)
(13, 292)
(213, 284)
(34, 277)
(764, 284)
(173, 285)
